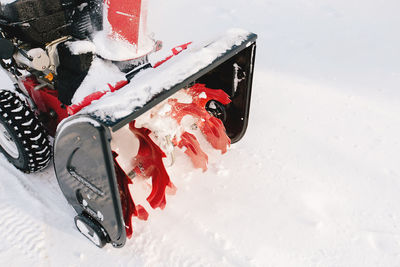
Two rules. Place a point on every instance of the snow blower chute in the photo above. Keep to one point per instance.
(116, 103)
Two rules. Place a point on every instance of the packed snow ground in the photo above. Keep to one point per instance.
(316, 180)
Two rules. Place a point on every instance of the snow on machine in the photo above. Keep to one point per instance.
(114, 105)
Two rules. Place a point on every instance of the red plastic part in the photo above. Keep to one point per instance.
(193, 150)
(180, 110)
(175, 51)
(124, 17)
(198, 89)
(46, 100)
(128, 206)
(212, 128)
(148, 163)
(215, 133)
(142, 214)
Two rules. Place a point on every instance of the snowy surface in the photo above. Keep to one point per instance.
(315, 181)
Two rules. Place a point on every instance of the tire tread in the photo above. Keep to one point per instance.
(32, 134)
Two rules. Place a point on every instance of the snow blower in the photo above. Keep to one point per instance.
(115, 103)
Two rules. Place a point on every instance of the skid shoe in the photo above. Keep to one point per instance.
(91, 229)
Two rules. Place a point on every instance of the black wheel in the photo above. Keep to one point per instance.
(91, 230)
(23, 139)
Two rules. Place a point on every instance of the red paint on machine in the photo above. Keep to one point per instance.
(124, 17)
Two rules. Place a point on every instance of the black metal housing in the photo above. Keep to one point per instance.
(235, 65)
(235, 77)
(84, 167)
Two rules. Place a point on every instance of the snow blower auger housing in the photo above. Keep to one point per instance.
(83, 157)
(116, 115)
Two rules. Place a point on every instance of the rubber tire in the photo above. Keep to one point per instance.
(93, 229)
(27, 132)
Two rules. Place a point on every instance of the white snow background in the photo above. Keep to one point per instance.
(315, 181)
